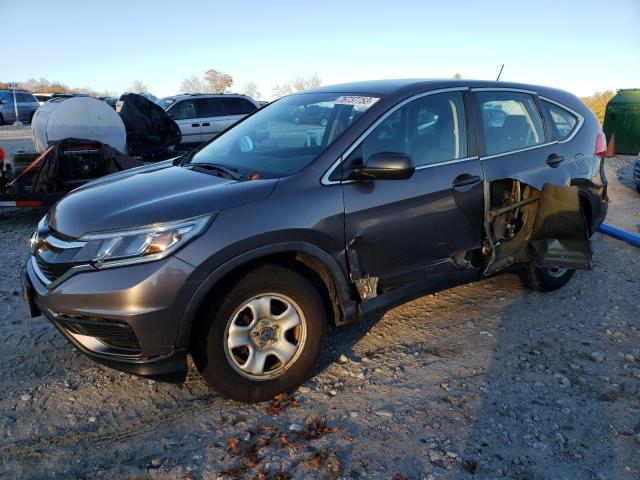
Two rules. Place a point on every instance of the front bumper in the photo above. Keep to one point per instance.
(126, 318)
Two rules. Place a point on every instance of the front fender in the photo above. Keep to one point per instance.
(346, 303)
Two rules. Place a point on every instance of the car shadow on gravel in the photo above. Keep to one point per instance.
(556, 404)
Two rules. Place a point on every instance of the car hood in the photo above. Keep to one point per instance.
(149, 195)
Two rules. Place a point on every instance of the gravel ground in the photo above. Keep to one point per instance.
(487, 380)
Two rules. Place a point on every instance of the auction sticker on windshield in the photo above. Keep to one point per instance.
(356, 100)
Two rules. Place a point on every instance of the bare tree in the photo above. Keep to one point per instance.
(251, 90)
(314, 81)
(193, 84)
(138, 86)
(296, 85)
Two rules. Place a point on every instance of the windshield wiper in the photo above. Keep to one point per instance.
(219, 168)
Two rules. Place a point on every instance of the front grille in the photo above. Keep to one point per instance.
(54, 255)
(45, 269)
(112, 333)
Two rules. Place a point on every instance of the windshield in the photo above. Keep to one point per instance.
(166, 102)
(286, 136)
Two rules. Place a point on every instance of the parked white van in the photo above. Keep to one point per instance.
(202, 117)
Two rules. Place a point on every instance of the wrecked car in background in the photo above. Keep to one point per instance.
(79, 139)
(244, 251)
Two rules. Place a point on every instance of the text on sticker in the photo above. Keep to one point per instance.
(356, 100)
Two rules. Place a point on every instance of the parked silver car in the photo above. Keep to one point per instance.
(202, 117)
(27, 105)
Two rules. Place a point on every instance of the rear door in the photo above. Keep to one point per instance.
(533, 213)
(213, 116)
(27, 105)
(7, 110)
(513, 138)
(236, 108)
(185, 114)
(405, 230)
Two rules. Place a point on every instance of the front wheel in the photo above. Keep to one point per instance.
(262, 338)
(546, 279)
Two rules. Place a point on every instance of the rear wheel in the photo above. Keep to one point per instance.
(546, 279)
(1, 119)
(262, 338)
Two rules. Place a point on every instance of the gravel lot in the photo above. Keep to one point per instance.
(482, 381)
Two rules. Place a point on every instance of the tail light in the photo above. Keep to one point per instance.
(1, 159)
(601, 144)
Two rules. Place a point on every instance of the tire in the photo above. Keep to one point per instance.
(1, 119)
(229, 369)
(546, 279)
(638, 188)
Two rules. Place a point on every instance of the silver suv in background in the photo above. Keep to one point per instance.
(202, 117)
(27, 105)
(120, 102)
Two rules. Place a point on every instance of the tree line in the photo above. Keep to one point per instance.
(214, 81)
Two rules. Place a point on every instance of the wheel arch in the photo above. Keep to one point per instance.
(309, 260)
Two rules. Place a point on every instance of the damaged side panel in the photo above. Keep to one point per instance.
(545, 225)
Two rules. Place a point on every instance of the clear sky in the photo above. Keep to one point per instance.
(577, 45)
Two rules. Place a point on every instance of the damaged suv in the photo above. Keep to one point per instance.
(245, 251)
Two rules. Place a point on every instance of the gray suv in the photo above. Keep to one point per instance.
(27, 106)
(202, 117)
(244, 252)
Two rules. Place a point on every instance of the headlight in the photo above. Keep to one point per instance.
(141, 244)
(35, 241)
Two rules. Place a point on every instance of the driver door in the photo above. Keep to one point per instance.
(404, 230)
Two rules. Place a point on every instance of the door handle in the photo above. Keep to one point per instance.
(554, 160)
(195, 124)
(465, 182)
(206, 124)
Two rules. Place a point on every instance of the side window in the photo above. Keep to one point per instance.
(430, 130)
(510, 121)
(563, 121)
(238, 106)
(25, 98)
(183, 110)
(211, 107)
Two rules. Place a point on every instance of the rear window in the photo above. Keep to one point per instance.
(25, 98)
(210, 107)
(238, 106)
(510, 120)
(564, 122)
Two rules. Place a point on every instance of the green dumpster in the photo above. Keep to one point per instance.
(622, 118)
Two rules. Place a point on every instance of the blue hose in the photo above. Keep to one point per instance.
(628, 237)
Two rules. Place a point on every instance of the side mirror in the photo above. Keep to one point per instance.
(384, 166)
